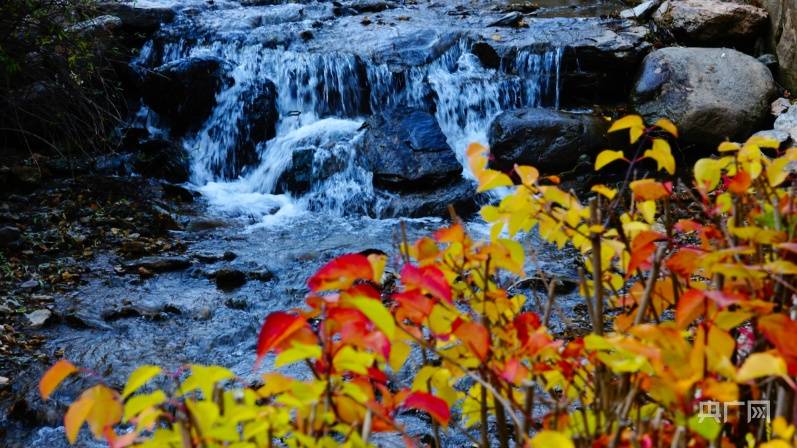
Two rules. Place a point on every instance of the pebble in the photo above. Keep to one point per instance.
(30, 284)
(38, 318)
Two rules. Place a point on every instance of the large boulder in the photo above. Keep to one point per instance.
(184, 91)
(711, 22)
(407, 151)
(712, 94)
(783, 38)
(461, 196)
(162, 159)
(550, 140)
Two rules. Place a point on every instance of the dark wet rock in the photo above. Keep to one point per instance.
(209, 257)
(461, 195)
(162, 159)
(10, 236)
(406, 150)
(228, 278)
(787, 122)
(363, 6)
(38, 318)
(298, 178)
(782, 37)
(562, 285)
(203, 224)
(711, 22)
(418, 48)
(257, 124)
(512, 19)
(550, 140)
(263, 275)
(127, 311)
(158, 264)
(487, 55)
(184, 91)
(642, 11)
(24, 177)
(99, 27)
(136, 16)
(710, 93)
(82, 321)
(237, 303)
(178, 192)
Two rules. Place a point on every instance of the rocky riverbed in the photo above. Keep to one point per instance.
(270, 137)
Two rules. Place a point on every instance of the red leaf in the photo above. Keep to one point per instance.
(427, 402)
(514, 371)
(779, 329)
(341, 273)
(525, 324)
(429, 279)
(475, 337)
(687, 225)
(278, 327)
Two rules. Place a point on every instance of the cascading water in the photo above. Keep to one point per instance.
(323, 99)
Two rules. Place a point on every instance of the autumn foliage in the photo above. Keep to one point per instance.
(689, 287)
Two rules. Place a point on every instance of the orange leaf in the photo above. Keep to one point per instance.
(427, 402)
(475, 337)
(740, 183)
(54, 376)
(278, 327)
(341, 273)
(684, 263)
(779, 329)
(689, 307)
(642, 248)
(76, 415)
(650, 190)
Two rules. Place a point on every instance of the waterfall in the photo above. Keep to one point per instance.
(322, 100)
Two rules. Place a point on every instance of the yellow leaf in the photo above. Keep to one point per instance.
(781, 267)
(377, 313)
(777, 172)
(54, 376)
(551, 439)
(440, 319)
(399, 351)
(138, 378)
(528, 174)
(782, 428)
(491, 179)
(606, 157)
(139, 403)
(729, 147)
(708, 173)
(662, 154)
(297, 352)
(668, 126)
(106, 410)
(635, 134)
(629, 121)
(352, 360)
(760, 365)
(609, 193)
(648, 210)
(75, 416)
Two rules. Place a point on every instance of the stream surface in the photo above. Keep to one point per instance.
(416, 55)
